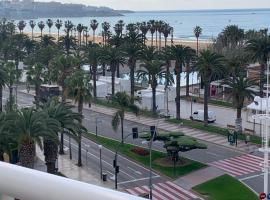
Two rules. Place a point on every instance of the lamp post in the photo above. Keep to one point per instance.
(135, 135)
(69, 145)
(100, 160)
(191, 104)
(87, 146)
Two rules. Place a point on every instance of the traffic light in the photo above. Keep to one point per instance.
(153, 131)
(117, 169)
(135, 133)
(114, 163)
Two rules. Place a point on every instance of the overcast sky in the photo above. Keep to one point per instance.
(173, 4)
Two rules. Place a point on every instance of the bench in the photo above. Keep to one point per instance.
(248, 131)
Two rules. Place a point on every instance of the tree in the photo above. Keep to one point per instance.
(32, 24)
(3, 82)
(152, 29)
(80, 28)
(144, 28)
(125, 102)
(197, 32)
(209, 66)
(21, 25)
(179, 55)
(152, 71)
(132, 48)
(94, 26)
(190, 59)
(258, 51)
(239, 90)
(29, 126)
(41, 26)
(69, 122)
(92, 54)
(49, 23)
(148, 53)
(79, 89)
(58, 25)
(113, 56)
(106, 27)
(166, 30)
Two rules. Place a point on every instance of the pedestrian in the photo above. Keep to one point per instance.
(247, 140)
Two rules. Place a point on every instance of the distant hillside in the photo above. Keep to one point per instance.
(28, 9)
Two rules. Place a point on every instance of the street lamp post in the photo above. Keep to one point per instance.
(69, 144)
(87, 146)
(116, 167)
(100, 160)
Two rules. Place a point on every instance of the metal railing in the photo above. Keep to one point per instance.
(24, 183)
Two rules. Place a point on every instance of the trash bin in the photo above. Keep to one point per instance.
(104, 177)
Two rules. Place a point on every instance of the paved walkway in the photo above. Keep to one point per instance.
(166, 126)
(69, 168)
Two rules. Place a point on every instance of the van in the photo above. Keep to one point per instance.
(198, 115)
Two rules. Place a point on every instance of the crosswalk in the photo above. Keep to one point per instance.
(240, 165)
(164, 191)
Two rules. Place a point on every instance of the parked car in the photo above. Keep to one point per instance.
(198, 115)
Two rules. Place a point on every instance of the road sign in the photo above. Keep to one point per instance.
(262, 196)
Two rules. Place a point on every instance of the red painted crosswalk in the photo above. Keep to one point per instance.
(241, 165)
(164, 191)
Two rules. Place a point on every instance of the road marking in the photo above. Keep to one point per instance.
(250, 177)
(135, 180)
(213, 154)
(137, 172)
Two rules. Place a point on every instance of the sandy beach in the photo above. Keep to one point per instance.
(203, 44)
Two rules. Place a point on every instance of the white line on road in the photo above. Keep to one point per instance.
(250, 177)
(135, 180)
(137, 172)
(213, 154)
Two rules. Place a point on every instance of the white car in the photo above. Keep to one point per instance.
(198, 115)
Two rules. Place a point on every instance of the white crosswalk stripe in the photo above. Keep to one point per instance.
(240, 165)
(164, 191)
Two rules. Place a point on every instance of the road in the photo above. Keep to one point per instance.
(133, 174)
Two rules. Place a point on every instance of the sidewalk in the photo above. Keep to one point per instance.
(166, 126)
(69, 168)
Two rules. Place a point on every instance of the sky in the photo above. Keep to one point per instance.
(141, 5)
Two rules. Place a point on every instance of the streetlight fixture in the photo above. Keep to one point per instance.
(135, 135)
(87, 146)
(152, 139)
(100, 160)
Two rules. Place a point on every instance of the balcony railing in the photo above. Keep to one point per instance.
(28, 184)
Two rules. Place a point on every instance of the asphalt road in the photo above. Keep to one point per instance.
(133, 174)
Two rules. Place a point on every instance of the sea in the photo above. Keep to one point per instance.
(183, 22)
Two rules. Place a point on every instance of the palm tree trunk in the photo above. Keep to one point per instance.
(113, 81)
(103, 69)
(154, 106)
(152, 39)
(159, 40)
(10, 97)
(262, 70)
(197, 45)
(122, 128)
(27, 153)
(165, 41)
(1, 98)
(132, 82)
(156, 40)
(93, 36)
(80, 110)
(177, 99)
(95, 81)
(32, 34)
(238, 121)
(57, 35)
(206, 97)
(118, 70)
(50, 153)
(187, 82)
(61, 149)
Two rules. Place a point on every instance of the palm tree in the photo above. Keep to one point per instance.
(149, 53)
(94, 26)
(124, 102)
(166, 30)
(29, 126)
(49, 23)
(113, 56)
(79, 89)
(132, 48)
(197, 32)
(69, 122)
(68, 26)
(144, 28)
(152, 71)
(80, 28)
(67, 43)
(159, 29)
(131, 27)
(209, 66)
(3, 82)
(118, 28)
(92, 55)
(258, 50)
(21, 25)
(58, 25)
(179, 55)
(106, 27)
(151, 24)
(32, 24)
(41, 26)
(189, 60)
(239, 91)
